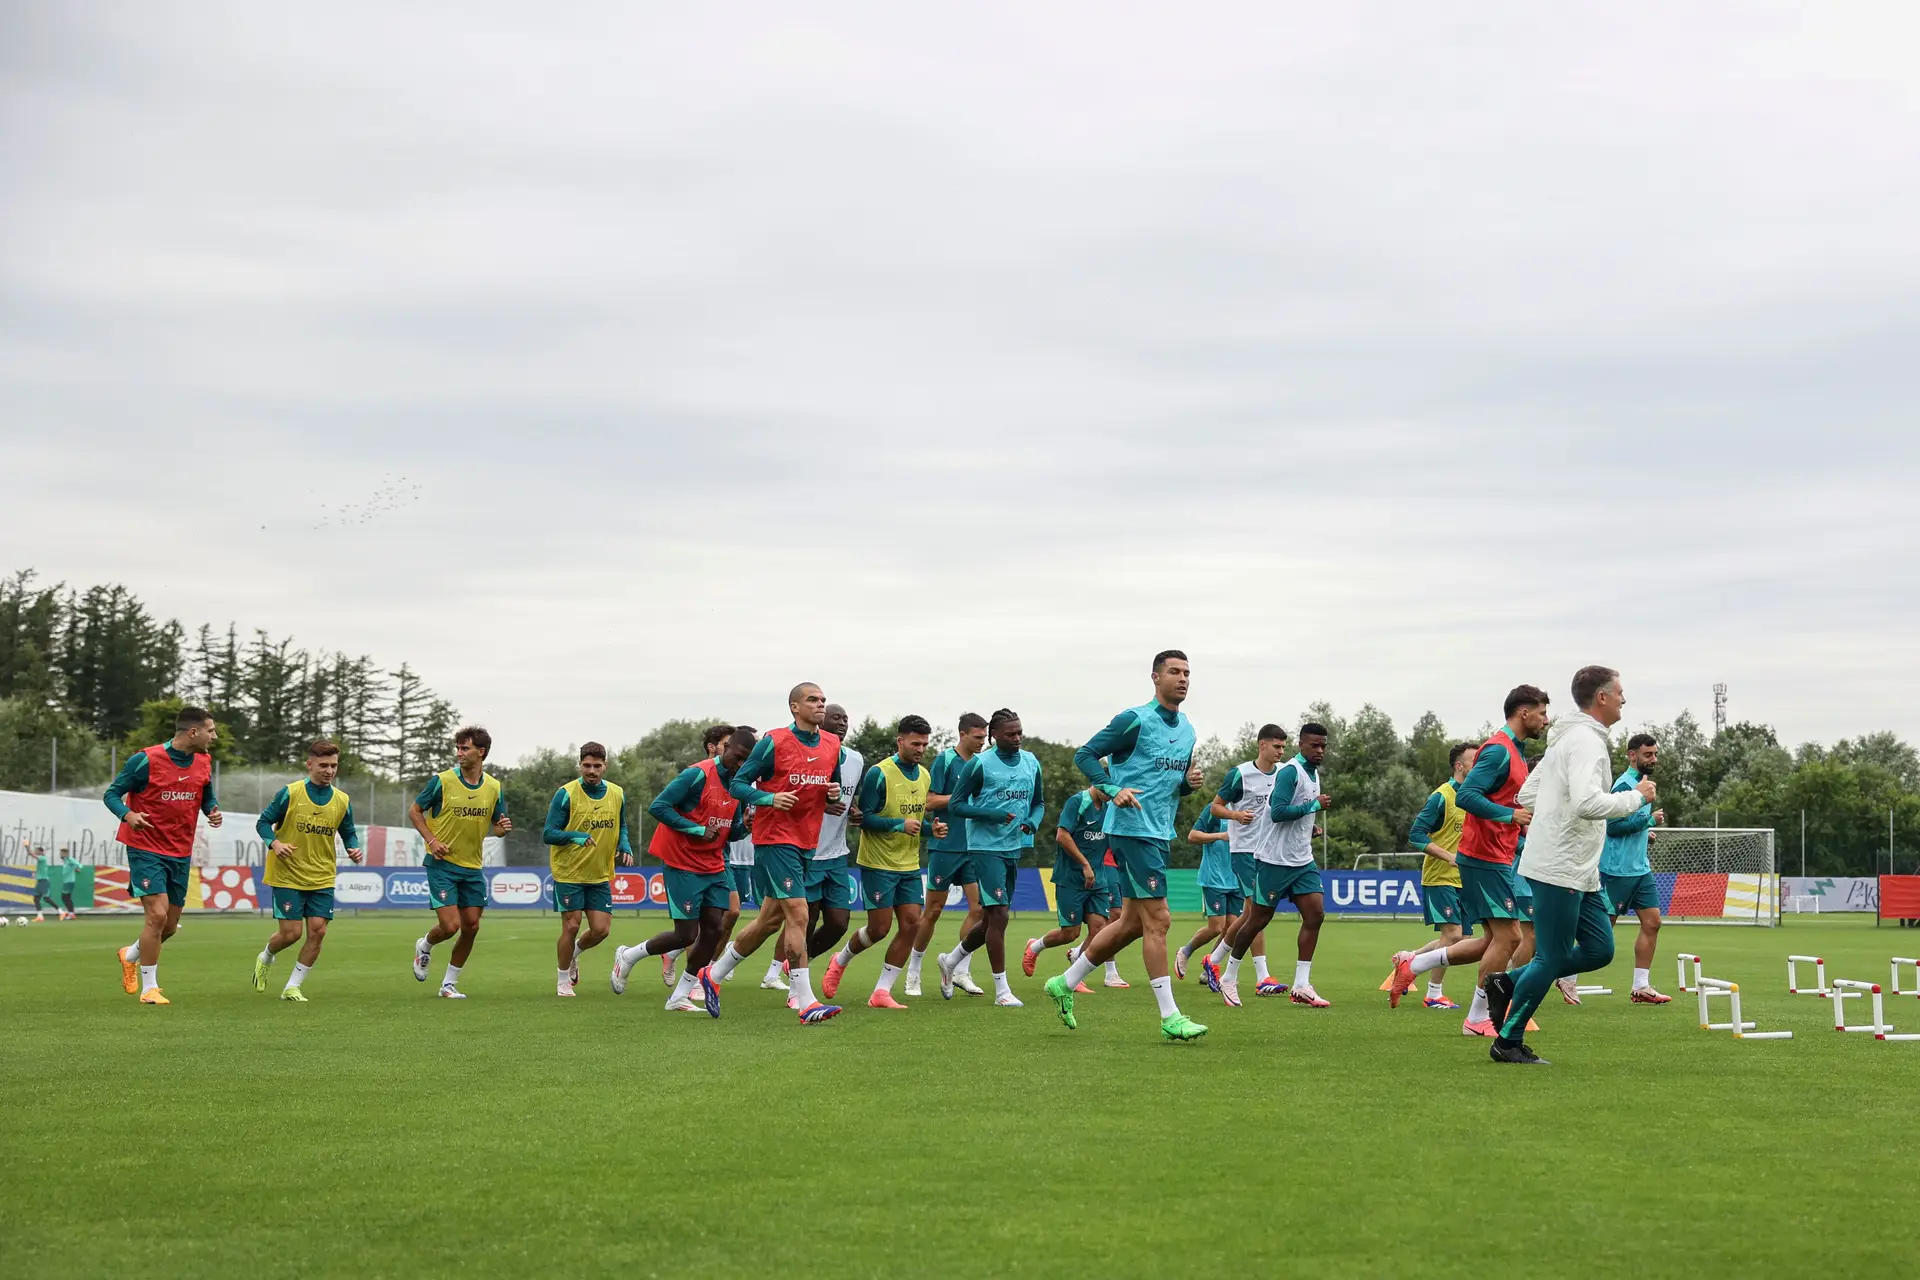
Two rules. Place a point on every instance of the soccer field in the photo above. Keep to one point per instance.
(381, 1131)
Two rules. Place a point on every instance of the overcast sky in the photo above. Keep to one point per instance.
(963, 356)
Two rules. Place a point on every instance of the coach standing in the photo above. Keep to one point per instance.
(1570, 793)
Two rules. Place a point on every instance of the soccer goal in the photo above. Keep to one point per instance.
(1719, 875)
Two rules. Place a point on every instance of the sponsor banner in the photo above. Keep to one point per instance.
(1831, 893)
(1900, 898)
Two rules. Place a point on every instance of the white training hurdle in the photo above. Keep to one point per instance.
(1683, 958)
(1592, 991)
(1742, 1030)
(1794, 988)
(1880, 1027)
(1914, 965)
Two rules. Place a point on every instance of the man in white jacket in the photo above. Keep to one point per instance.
(1570, 793)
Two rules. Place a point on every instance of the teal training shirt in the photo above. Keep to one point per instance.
(1150, 749)
(1625, 853)
(1216, 859)
(942, 778)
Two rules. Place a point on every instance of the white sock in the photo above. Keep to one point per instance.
(913, 965)
(1035, 946)
(1113, 971)
(729, 961)
(1435, 990)
(1428, 961)
(683, 989)
(266, 956)
(149, 976)
(566, 976)
(299, 975)
(1000, 987)
(1220, 953)
(965, 967)
(802, 986)
(1163, 992)
(453, 976)
(773, 969)
(1642, 979)
(957, 957)
(1302, 974)
(1233, 969)
(1478, 1011)
(859, 936)
(675, 954)
(132, 954)
(888, 972)
(1260, 973)
(1077, 971)
(844, 956)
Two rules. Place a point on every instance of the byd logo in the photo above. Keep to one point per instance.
(515, 888)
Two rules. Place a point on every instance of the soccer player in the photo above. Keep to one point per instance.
(710, 743)
(1436, 833)
(1625, 873)
(1570, 800)
(586, 831)
(46, 884)
(805, 760)
(1000, 794)
(298, 827)
(1242, 802)
(456, 811)
(1219, 889)
(948, 862)
(1079, 892)
(698, 816)
(172, 784)
(892, 807)
(829, 883)
(69, 878)
(1150, 748)
(1284, 868)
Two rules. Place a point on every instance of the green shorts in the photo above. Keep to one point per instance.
(1523, 897)
(149, 873)
(568, 896)
(1274, 882)
(1243, 871)
(1073, 902)
(1630, 893)
(883, 890)
(1442, 902)
(829, 883)
(995, 873)
(1143, 865)
(1223, 902)
(1106, 883)
(690, 892)
(302, 904)
(743, 883)
(451, 885)
(1487, 891)
(945, 869)
(779, 871)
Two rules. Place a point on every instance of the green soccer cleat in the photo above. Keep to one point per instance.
(1179, 1026)
(259, 974)
(1062, 996)
(298, 996)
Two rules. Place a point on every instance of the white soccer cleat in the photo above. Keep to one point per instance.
(946, 976)
(1569, 989)
(913, 985)
(773, 982)
(1008, 1000)
(1119, 984)
(452, 993)
(685, 1004)
(621, 970)
(563, 989)
(669, 964)
(422, 957)
(573, 970)
(1180, 958)
(963, 981)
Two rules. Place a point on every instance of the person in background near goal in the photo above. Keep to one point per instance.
(698, 816)
(1079, 893)
(1284, 868)
(829, 882)
(711, 741)
(1571, 800)
(586, 830)
(1001, 796)
(1241, 801)
(948, 863)
(804, 759)
(1625, 873)
(46, 873)
(891, 809)
(1219, 890)
(172, 785)
(1489, 841)
(69, 878)
(455, 812)
(1143, 760)
(298, 826)
(1436, 833)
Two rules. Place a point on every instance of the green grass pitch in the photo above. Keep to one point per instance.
(379, 1131)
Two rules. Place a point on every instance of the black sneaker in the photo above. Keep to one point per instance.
(1516, 1053)
(1499, 999)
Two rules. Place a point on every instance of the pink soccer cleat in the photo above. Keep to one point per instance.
(1307, 996)
(830, 984)
(1028, 956)
(1647, 995)
(1484, 1027)
(883, 999)
(1230, 992)
(1402, 980)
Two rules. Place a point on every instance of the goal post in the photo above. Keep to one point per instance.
(1716, 875)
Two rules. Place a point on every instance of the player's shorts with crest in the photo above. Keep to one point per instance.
(1073, 902)
(1487, 891)
(689, 892)
(884, 890)
(1106, 883)
(149, 873)
(1244, 871)
(779, 871)
(1223, 902)
(1143, 865)
(1630, 893)
(301, 904)
(995, 873)
(452, 885)
(1274, 882)
(1442, 903)
(947, 869)
(582, 897)
(829, 883)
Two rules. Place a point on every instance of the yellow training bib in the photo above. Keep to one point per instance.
(310, 829)
(465, 817)
(1438, 870)
(906, 798)
(592, 862)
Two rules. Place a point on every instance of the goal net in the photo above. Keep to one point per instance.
(1715, 875)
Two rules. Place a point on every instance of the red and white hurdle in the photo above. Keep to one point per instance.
(1914, 965)
(1682, 960)
(1820, 987)
(1880, 1027)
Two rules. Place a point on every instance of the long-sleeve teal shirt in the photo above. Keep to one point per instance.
(759, 767)
(1432, 814)
(132, 779)
(1625, 853)
(682, 797)
(560, 812)
(1489, 773)
(276, 812)
(873, 795)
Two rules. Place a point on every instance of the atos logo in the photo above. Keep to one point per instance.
(515, 888)
(407, 888)
(358, 888)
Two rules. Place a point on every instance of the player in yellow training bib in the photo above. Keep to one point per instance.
(456, 811)
(299, 828)
(586, 830)
(1436, 833)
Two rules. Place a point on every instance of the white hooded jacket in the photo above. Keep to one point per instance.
(1572, 798)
